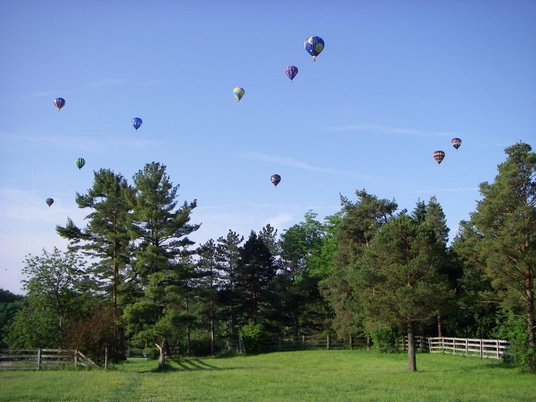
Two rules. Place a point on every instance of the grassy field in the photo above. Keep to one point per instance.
(289, 376)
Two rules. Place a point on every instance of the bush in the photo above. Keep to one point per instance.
(252, 337)
(95, 334)
(514, 329)
(384, 340)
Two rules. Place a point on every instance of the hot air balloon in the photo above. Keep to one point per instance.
(439, 156)
(238, 93)
(80, 162)
(291, 72)
(136, 122)
(275, 179)
(456, 142)
(59, 103)
(49, 201)
(314, 46)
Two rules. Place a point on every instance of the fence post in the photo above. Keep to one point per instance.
(106, 358)
(350, 341)
(75, 358)
(497, 345)
(481, 349)
(327, 342)
(38, 359)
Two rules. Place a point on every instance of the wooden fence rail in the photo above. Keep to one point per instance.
(482, 348)
(37, 359)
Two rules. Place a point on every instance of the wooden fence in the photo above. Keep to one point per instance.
(38, 359)
(301, 343)
(482, 348)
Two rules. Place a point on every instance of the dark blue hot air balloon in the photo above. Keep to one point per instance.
(136, 122)
(314, 46)
(59, 103)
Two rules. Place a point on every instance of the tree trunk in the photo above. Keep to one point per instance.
(412, 360)
(162, 357)
(530, 310)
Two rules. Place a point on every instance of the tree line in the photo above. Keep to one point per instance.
(132, 278)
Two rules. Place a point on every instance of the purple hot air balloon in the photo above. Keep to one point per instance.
(291, 72)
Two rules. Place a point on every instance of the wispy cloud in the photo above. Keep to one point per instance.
(97, 144)
(448, 190)
(293, 163)
(388, 130)
(42, 94)
(147, 83)
(107, 82)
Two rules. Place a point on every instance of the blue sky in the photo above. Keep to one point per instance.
(397, 80)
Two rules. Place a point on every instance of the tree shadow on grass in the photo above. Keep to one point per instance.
(177, 365)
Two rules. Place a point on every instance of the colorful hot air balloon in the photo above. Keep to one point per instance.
(291, 72)
(80, 162)
(238, 93)
(314, 46)
(439, 156)
(275, 179)
(59, 103)
(49, 201)
(136, 122)
(456, 142)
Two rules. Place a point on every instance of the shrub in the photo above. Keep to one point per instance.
(252, 337)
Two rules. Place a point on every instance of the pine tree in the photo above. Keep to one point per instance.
(161, 256)
(398, 283)
(500, 238)
(229, 254)
(106, 237)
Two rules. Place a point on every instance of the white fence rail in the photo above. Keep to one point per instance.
(482, 348)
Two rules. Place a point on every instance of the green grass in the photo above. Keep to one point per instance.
(289, 376)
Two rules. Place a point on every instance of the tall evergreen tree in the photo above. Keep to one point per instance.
(106, 237)
(398, 282)
(355, 228)
(500, 238)
(209, 268)
(255, 270)
(160, 229)
(229, 254)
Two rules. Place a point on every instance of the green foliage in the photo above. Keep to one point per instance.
(513, 328)
(384, 339)
(500, 238)
(56, 298)
(252, 337)
(10, 303)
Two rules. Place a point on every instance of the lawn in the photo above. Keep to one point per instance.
(288, 376)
